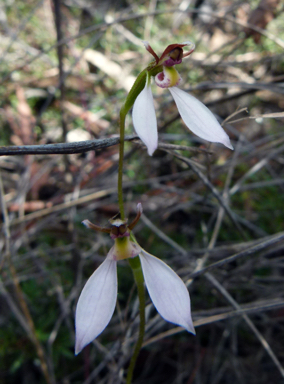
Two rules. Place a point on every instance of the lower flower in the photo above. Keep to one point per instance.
(97, 301)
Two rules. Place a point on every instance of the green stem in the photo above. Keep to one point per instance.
(139, 279)
(131, 97)
(120, 163)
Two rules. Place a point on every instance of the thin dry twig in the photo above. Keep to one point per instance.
(279, 237)
(259, 336)
(214, 191)
(242, 310)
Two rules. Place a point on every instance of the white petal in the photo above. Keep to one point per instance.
(96, 304)
(139, 209)
(144, 119)
(198, 118)
(167, 291)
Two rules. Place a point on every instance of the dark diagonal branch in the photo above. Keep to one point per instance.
(62, 148)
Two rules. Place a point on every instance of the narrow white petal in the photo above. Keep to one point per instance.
(198, 118)
(189, 44)
(139, 208)
(96, 304)
(144, 119)
(167, 291)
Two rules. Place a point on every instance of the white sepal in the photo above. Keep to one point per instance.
(167, 291)
(144, 119)
(198, 118)
(96, 304)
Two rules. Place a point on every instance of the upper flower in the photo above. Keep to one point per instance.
(97, 301)
(196, 116)
(172, 55)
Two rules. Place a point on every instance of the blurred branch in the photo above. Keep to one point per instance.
(261, 16)
(58, 25)
(104, 26)
(62, 148)
(227, 85)
(14, 35)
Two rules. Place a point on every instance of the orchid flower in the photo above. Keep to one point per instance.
(196, 116)
(97, 301)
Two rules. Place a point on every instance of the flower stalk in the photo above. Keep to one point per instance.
(135, 265)
(133, 93)
(120, 163)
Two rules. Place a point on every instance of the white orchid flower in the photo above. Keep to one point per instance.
(97, 301)
(196, 116)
